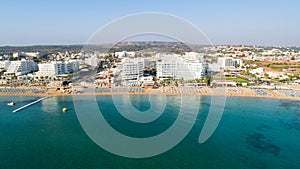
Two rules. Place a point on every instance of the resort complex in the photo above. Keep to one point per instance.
(249, 69)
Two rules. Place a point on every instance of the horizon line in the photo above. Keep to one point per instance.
(157, 41)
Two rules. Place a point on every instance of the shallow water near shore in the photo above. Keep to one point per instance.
(253, 133)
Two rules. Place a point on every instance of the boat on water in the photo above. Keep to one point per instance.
(11, 104)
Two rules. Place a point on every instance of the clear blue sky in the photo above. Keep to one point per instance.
(253, 22)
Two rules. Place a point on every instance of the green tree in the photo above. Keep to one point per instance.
(155, 84)
(181, 80)
(168, 82)
(176, 83)
(198, 80)
(109, 79)
(266, 76)
(207, 80)
(293, 58)
(162, 83)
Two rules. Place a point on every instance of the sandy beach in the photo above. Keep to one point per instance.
(202, 91)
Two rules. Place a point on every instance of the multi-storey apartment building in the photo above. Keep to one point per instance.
(181, 67)
(58, 68)
(21, 67)
(229, 62)
(132, 69)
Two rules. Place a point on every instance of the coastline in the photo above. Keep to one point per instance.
(242, 92)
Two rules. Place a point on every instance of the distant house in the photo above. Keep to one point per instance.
(297, 82)
(3, 81)
(124, 54)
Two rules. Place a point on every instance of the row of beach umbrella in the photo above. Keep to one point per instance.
(17, 90)
(292, 93)
(116, 90)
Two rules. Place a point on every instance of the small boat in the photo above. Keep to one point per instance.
(11, 104)
(64, 110)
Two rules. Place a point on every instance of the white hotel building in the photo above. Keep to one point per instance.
(124, 54)
(229, 63)
(58, 68)
(132, 69)
(4, 64)
(20, 67)
(178, 67)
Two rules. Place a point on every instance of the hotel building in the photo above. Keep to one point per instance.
(21, 67)
(132, 69)
(229, 63)
(179, 67)
(58, 68)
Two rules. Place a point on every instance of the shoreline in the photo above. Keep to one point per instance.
(238, 92)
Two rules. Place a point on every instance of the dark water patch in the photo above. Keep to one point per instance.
(277, 112)
(294, 123)
(263, 127)
(290, 104)
(259, 165)
(246, 161)
(140, 102)
(243, 159)
(285, 125)
(243, 124)
(139, 130)
(262, 144)
(205, 104)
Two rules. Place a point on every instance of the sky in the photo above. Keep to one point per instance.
(230, 22)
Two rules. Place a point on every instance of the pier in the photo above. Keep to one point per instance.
(29, 104)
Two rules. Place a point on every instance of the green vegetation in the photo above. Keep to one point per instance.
(251, 62)
(248, 62)
(280, 67)
(150, 71)
(207, 80)
(293, 58)
(238, 80)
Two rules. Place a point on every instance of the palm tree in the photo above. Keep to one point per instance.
(288, 80)
(168, 82)
(198, 80)
(155, 85)
(162, 83)
(207, 80)
(181, 80)
(176, 83)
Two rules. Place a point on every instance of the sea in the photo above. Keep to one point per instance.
(253, 133)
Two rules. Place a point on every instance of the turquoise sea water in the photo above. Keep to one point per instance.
(253, 133)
